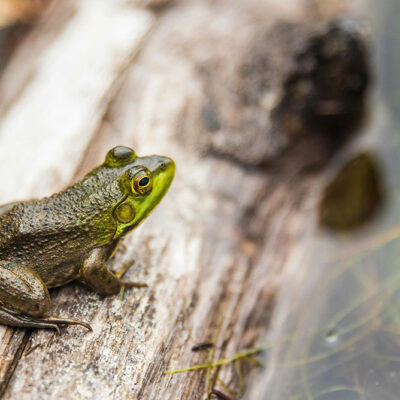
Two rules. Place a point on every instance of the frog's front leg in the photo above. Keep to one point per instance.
(24, 299)
(96, 274)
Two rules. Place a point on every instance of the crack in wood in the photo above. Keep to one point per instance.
(13, 365)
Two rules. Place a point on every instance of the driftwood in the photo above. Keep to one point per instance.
(213, 85)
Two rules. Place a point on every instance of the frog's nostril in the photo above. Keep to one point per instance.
(165, 164)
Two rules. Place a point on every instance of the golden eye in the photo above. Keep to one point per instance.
(141, 184)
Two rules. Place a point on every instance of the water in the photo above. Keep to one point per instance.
(336, 332)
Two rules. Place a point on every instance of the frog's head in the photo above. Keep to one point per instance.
(143, 181)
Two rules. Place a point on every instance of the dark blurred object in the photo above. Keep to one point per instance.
(152, 3)
(202, 346)
(354, 196)
(293, 88)
(16, 18)
(219, 395)
(325, 92)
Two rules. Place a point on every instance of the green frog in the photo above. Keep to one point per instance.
(70, 235)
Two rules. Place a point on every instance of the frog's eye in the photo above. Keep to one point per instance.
(142, 182)
(119, 156)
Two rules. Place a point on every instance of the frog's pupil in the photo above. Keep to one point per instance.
(144, 181)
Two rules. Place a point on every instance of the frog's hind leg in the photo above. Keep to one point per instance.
(8, 317)
(24, 299)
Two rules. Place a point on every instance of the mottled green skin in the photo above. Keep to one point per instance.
(57, 237)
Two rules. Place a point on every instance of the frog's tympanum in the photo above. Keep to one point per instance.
(71, 235)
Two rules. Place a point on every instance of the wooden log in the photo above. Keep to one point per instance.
(204, 83)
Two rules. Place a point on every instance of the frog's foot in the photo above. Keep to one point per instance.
(9, 317)
(95, 273)
(128, 284)
(54, 320)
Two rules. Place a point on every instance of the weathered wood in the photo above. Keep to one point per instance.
(213, 251)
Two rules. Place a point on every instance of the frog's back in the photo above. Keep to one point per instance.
(60, 228)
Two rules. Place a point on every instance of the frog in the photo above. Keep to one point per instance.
(71, 235)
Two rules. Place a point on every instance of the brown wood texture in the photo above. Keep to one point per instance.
(182, 79)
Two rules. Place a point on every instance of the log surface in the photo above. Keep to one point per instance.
(194, 81)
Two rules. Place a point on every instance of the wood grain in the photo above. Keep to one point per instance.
(213, 251)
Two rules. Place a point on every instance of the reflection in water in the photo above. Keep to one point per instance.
(354, 196)
(336, 335)
(341, 339)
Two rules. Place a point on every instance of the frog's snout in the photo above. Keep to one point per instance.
(165, 172)
(166, 163)
(160, 166)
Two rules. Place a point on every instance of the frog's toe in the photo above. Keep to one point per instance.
(65, 321)
(10, 318)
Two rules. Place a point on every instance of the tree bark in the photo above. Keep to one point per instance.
(210, 85)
